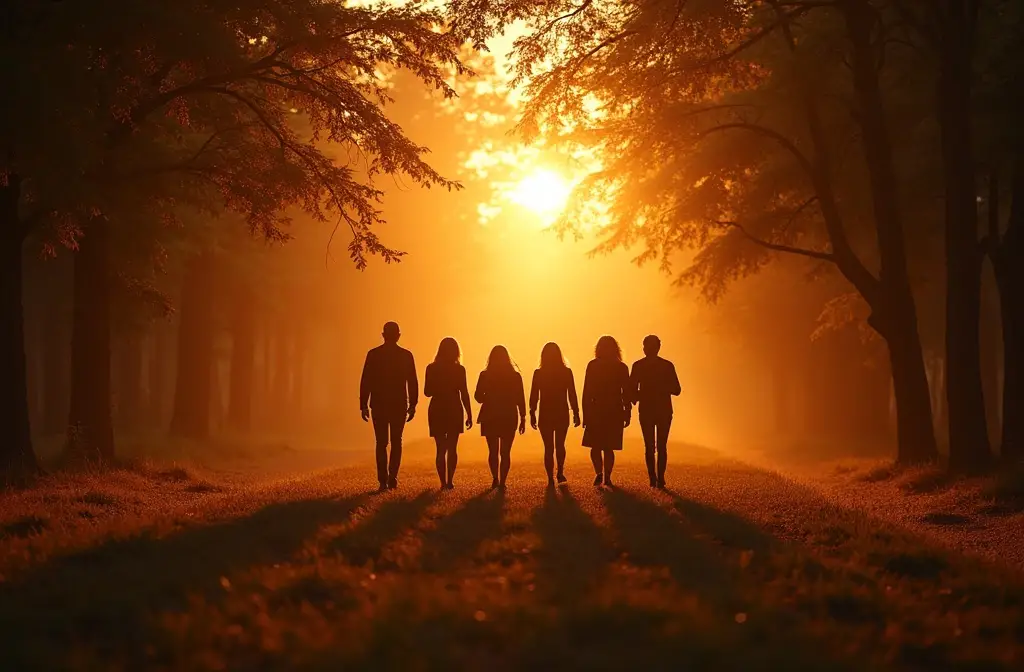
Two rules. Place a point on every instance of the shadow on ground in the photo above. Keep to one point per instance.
(104, 595)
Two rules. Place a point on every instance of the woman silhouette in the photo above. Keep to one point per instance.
(499, 390)
(606, 407)
(554, 387)
(445, 384)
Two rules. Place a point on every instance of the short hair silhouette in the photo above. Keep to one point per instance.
(551, 357)
(391, 332)
(500, 360)
(448, 351)
(652, 345)
(608, 348)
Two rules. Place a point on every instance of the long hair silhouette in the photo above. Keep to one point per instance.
(500, 361)
(608, 348)
(551, 357)
(448, 351)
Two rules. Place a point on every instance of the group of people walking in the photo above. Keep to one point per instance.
(389, 393)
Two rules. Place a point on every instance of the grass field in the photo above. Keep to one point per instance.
(731, 568)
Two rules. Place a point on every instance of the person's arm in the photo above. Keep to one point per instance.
(521, 400)
(414, 385)
(428, 381)
(677, 389)
(574, 403)
(464, 393)
(364, 388)
(480, 393)
(588, 400)
(521, 403)
(534, 398)
(634, 383)
(624, 390)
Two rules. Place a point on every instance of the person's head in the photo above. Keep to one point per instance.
(499, 359)
(448, 351)
(608, 348)
(391, 332)
(551, 357)
(652, 345)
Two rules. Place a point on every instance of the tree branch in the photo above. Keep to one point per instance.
(778, 247)
(782, 140)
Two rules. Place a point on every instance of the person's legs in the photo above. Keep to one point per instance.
(598, 462)
(440, 463)
(492, 458)
(560, 452)
(506, 458)
(609, 464)
(548, 436)
(649, 427)
(397, 427)
(380, 433)
(663, 429)
(453, 458)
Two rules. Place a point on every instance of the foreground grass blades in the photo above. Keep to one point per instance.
(731, 568)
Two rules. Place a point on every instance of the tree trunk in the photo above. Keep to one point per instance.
(157, 374)
(90, 433)
(915, 435)
(129, 381)
(969, 446)
(243, 349)
(281, 386)
(894, 307)
(17, 459)
(1007, 259)
(56, 373)
(192, 392)
(296, 399)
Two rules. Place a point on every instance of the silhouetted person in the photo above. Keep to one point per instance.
(555, 388)
(389, 391)
(499, 390)
(445, 384)
(653, 383)
(607, 407)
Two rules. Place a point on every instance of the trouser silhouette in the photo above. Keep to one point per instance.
(655, 429)
(387, 428)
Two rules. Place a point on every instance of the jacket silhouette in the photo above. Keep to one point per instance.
(388, 391)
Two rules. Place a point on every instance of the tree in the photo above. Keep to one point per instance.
(724, 127)
(207, 119)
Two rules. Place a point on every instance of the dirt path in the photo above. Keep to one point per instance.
(731, 568)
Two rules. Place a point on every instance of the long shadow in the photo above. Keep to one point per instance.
(458, 535)
(726, 528)
(573, 552)
(366, 542)
(652, 537)
(103, 595)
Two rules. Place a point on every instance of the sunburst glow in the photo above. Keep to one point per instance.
(543, 191)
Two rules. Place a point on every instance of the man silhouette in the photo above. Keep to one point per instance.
(654, 382)
(388, 391)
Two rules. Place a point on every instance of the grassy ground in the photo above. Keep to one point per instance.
(731, 568)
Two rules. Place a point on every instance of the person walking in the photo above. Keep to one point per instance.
(554, 390)
(445, 385)
(499, 391)
(653, 383)
(388, 391)
(606, 407)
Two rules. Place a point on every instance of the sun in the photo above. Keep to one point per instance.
(543, 191)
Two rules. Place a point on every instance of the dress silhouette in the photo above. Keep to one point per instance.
(653, 383)
(606, 407)
(499, 391)
(554, 390)
(445, 385)
(388, 390)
